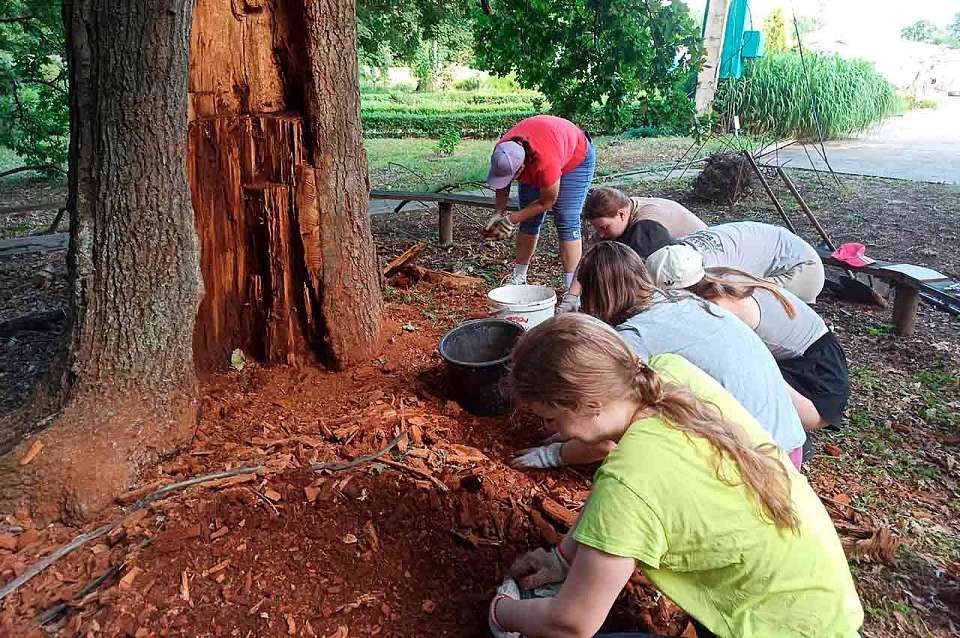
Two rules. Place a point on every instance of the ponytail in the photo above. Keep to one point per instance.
(716, 283)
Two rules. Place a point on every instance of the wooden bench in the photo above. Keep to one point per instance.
(911, 283)
(445, 203)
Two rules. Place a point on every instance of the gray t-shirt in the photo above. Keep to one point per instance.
(762, 250)
(724, 347)
(785, 337)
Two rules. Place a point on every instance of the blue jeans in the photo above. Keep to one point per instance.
(566, 210)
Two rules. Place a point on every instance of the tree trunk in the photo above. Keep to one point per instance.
(125, 384)
(279, 179)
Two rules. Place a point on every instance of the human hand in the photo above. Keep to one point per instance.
(499, 226)
(541, 458)
(539, 567)
(509, 590)
(569, 303)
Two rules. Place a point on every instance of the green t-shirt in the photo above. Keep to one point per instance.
(702, 542)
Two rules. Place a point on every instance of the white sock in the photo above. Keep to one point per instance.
(520, 271)
(567, 279)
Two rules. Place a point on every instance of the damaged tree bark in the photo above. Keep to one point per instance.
(279, 178)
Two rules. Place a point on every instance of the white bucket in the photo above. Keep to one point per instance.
(526, 306)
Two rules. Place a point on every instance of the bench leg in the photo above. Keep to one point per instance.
(446, 223)
(905, 310)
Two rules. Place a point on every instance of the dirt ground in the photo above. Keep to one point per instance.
(414, 543)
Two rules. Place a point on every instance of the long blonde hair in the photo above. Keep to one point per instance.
(730, 282)
(577, 363)
(615, 282)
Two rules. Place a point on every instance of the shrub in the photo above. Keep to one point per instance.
(448, 142)
(469, 84)
(778, 96)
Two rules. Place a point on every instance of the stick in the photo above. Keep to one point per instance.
(39, 167)
(83, 539)
(430, 477)
(773, 197)
(806, 209)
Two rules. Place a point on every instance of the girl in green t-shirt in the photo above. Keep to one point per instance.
(695, 494)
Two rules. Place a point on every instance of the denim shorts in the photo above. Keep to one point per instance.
(566, 210)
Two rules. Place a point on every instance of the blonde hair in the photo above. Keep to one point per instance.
(604, 201)
(576, 363)
(717, 283)
(615, 282)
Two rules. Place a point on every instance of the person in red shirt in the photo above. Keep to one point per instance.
(553, 160)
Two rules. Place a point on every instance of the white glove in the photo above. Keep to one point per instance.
(499, 227)
(510, 590)
(569, 303)
(541, 458)
(540, 567)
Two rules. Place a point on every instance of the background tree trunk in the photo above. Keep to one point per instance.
(279, 178)
(126, 379)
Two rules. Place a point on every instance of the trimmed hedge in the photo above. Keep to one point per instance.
(484, 125)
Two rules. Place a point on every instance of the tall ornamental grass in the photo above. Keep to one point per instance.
(777, 95)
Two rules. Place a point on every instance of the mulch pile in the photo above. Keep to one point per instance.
(412, 544)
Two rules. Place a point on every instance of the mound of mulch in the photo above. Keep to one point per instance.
(727, 178)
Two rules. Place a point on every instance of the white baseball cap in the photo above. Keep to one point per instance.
(676, 266)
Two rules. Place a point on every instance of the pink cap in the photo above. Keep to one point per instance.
(853, 254)
(506, 161)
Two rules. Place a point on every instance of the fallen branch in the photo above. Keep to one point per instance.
(36, 167)
(83, 539)
(424, 475)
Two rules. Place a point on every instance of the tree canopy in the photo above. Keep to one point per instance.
(927, 31)
(584, 54)
(33, 81)
(775, 31)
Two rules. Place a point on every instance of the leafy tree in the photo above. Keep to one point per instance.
(587, 53)
(34, 118)
(775, 31)
(953, 30)
(920, 31)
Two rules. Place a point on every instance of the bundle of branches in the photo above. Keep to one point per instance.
(727, 178)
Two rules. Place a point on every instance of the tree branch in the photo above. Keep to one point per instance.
(16, 19)
(37, 167)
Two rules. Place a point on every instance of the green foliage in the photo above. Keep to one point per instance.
(34, 118)
(775, 31)
(777, 95)
(592, 57)
(920, 31)
(448, 142)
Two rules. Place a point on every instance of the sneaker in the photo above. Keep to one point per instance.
(513, 279)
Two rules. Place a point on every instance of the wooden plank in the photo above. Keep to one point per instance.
(465, 199)
(446, 223)
(905, 310)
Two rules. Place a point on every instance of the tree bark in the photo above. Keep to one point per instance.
(280, 190)
(126, 383)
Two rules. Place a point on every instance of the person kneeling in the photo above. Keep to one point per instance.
(695, 494)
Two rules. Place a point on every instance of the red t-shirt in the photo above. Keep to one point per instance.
(560, 146)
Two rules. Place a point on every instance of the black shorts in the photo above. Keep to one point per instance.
(821, 375)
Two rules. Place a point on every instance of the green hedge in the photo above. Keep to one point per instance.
(484, 125)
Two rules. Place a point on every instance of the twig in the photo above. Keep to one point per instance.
(83, 539)
(56, 221)
(424, 475)
(265, 500)
(37, 167)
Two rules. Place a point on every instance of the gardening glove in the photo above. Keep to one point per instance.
(499, 227)
(540, 567)
(510, 590)
(569, 303)
(540, 458)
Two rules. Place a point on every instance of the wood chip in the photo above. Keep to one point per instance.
(428, 606)
(32, 452)
(407, 258)
(311, 493)
(371, 533)
(220, 533)
(231, 481)
(291, 625)
(464, 454)
(547, 531)
(341, 632)
(557, 512)
(127, 581)
(27, 539)
(272, 494)
(219, 567)
(832, 450)
(8, 542)
(349, 538)
(135, 495)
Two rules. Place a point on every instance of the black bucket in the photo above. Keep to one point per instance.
(477, 353)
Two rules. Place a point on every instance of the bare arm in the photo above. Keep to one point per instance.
(548, 197)
(582, 605)
(577, 452)
(501, 198)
